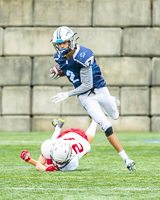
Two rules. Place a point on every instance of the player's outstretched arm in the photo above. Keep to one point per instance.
(32, 162)
(40, 164)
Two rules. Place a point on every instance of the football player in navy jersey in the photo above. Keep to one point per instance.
(79, 65)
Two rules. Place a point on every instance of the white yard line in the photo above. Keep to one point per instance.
(82, 177)
(81, 189)
(19, 142)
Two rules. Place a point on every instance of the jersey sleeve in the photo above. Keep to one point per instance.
(84, 57)
(90, 60)
(86, 82)
(45, 148)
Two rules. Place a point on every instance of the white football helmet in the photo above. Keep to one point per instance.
(61, 151)
(64, 34)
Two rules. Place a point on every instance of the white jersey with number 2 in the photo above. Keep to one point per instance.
(80, 147)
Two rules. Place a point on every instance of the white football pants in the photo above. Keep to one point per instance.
(92, 104)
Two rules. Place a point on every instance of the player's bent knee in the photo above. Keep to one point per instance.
(115, 115)
(109, 131)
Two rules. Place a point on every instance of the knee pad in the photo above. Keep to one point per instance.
(109, 131)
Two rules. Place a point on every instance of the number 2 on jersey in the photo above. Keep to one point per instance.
(71, 76)
(75, 147)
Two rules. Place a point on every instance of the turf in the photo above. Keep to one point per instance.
(101, 174)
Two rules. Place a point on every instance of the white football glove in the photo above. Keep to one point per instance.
(60, 97)
(54, 75)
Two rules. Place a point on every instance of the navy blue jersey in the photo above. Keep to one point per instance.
(82, 57)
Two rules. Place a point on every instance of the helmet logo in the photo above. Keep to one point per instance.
(68, 31)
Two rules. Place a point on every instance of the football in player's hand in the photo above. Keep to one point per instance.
(56, 70)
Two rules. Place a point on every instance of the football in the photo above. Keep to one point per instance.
(57, 70)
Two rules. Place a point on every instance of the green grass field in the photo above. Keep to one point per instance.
(101, 174)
